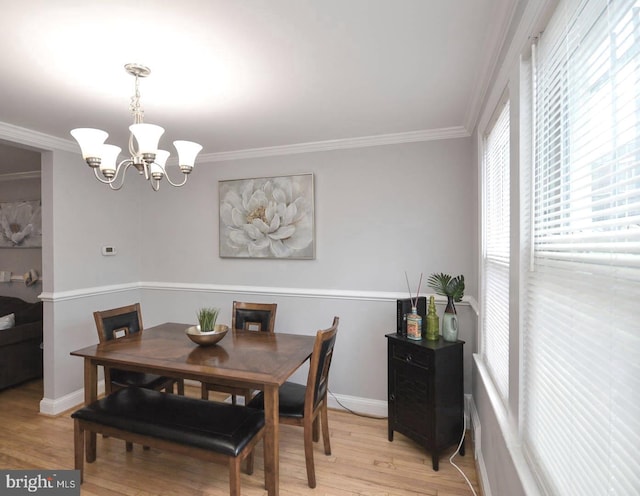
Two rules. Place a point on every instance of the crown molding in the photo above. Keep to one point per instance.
(17, 176)
(505, 9)
(35, 139)
(528, 26)
(339, 144)
(25, 136)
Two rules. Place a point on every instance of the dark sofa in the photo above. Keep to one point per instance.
(20, 346)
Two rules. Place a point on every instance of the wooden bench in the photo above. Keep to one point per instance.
(213, 431)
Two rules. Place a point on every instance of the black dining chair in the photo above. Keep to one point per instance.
(260, 317)
(306, 406)
(117, 323)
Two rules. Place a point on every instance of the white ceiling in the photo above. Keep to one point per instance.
(238, 75)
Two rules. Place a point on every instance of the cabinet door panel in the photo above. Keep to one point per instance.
(412, 409)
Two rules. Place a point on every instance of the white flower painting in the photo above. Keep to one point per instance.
(20, 225)
(268, 217)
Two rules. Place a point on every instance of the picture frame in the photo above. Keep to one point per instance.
(21, 224)
(267, 217)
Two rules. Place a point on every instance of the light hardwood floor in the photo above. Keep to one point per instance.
(363, 461)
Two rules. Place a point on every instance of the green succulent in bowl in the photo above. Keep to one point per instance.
(207, 318)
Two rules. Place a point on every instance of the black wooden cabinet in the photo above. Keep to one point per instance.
(425, 392)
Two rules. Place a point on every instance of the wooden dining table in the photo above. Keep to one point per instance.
(256, 360)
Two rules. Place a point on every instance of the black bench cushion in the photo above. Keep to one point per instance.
(291, 398)
(218, 427)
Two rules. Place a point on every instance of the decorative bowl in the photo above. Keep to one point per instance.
(207, 338)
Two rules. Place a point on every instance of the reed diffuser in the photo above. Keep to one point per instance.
(414, 321)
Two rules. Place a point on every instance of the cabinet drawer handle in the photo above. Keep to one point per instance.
(409, 358)
(392, 397)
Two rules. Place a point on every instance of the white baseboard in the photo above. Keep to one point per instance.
(76, 398)
(476, 432)
(67, 402)
(365, 406)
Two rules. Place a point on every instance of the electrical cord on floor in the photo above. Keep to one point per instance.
(464, 430)
(355, 413)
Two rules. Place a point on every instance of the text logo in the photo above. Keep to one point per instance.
(40, 482)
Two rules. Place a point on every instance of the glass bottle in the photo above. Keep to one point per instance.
(433, 321)
(414, 325)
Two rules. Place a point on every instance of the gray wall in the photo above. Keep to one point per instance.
(79, 215)
(380, 211)
(86, 216)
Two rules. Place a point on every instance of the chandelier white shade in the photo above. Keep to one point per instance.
(144, 154)
(110, 155)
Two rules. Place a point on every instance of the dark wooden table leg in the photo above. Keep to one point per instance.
(90, 395)
(271, 443)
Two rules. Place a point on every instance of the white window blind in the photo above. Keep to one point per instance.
(496, 245)
(581, 336)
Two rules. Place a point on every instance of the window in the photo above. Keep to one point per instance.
(495, 251)
(581, 335)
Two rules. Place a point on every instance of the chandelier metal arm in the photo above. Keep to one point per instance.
(177, 185)
(105, 181)
(126, 163)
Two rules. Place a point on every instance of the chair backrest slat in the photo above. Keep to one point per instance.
(318, 379)
(118, 322)
(254, 316)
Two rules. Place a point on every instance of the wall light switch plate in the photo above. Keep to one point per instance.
(108, 250)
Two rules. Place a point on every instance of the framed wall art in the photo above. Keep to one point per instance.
(267, 217)
(21, 224)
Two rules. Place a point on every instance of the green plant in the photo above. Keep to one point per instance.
(445, 285)
(207, 318)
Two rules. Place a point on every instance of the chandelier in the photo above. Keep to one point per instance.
(146, 158)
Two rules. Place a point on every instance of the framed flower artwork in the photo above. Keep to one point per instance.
(267, 217)
(20, 224)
